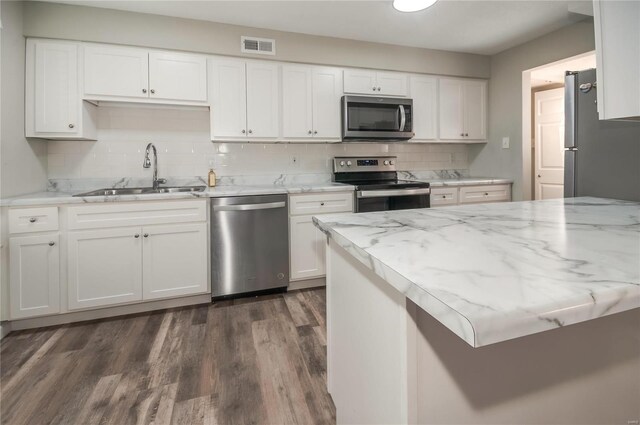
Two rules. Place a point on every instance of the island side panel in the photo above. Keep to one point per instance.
(587, 373)
(369, 327)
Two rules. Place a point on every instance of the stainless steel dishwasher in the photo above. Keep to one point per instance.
(249, 244)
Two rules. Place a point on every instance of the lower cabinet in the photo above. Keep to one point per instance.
(34, 281)
(307, 249)
(454, 195)
(123, 265)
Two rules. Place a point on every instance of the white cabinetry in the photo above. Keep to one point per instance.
(134, 74)
(480, 194)
(34, 282)
(617, 34)
(244, 99)
(311, 102)
(364, 81)
(463, 109)
(424, 92)
(53, 106)
(307, 242)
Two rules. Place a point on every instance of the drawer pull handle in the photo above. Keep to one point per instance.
(444, 196)
(486, 194)
(52, 243)
(136, 236)
(33, 220)
(322, 204)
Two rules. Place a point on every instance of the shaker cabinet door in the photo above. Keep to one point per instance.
(177, 76)
(297, 102)
(115, 71)
(307, 249)
(262, 100)
(228, 95)
(451, 109)
(424, 92)
(475, 110)
(327, 91)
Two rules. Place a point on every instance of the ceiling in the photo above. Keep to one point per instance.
(554, 73)
(479, 26)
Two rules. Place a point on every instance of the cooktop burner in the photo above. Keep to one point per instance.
(371, 173)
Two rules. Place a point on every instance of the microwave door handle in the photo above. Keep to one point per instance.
(403, 117)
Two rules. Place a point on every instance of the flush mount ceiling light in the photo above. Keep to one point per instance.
(412, 5)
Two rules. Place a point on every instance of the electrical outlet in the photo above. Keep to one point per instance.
(505, 143)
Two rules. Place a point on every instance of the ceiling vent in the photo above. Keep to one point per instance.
(261, 46)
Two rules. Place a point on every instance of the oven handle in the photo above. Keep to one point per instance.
(391, 192)
(403, 117)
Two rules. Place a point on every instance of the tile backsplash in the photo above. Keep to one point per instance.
(185, 151)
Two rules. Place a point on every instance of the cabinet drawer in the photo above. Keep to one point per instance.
(478, 194)
(25, 220)
(143, 213)
(320, 203)
(444, 196)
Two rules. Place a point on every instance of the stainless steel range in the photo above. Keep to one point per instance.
(377, 185)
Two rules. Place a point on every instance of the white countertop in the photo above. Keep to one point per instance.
(494, 272)
(468, 181)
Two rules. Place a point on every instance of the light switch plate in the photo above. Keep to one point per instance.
(505, 143)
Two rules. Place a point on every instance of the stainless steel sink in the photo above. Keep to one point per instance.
(142, 190)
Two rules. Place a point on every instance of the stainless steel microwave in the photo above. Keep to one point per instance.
(376, 118)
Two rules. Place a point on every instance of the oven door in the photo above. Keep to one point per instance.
(366, 118)
(392, 199)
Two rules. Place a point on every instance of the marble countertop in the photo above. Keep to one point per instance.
(493, 272)
(59, 198)
(468, 181)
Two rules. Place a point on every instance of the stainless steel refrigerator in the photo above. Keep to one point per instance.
(602, 158)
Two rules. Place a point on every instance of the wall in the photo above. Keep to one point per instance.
(505, 98)
(111, 26)
(23, 162)
(185, 151)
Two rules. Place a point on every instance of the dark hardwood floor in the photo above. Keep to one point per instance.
(250, 361)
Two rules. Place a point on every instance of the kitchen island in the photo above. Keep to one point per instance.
(437, 316)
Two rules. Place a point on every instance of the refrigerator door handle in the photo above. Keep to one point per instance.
(570, 173)
(570, 99)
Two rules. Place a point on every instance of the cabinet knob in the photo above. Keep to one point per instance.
(378, 88)
(539, 176)
(322, 204)
(466, 134)
(315, 131)
(486, 194)
(33, 220)
(444, 196)
(152, 91)
(462, 134)
(71, 125)
(146, 235)
(250, 131)
(310, 132)
(137, 235)
(374, 88)
(144, 90)
(52, 243)
(244, 131)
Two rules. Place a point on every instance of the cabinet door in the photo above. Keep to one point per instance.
(391, 83)
(327, 91)
(307, 249)
(228, 95)
(360, 81)
(34, 282)
(424, 92)
(104, 267)
(475, 110)
(451, 109)
(174, 260)
(177, 76)
(56, 97)
(262, 100)
(297, 104)
(116, 71)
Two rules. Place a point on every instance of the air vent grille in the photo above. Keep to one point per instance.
(262, 46)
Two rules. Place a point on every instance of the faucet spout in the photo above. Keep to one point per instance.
(147, 164)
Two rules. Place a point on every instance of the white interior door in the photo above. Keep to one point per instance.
(174, 260)
(262, 100)
(177, 76)
(451, 109)
(116, 71)
(549, 144)
(424, 92)
(228, 95)
(327, 91)
(297, 104)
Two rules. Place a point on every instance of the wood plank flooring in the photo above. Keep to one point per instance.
(249, 361)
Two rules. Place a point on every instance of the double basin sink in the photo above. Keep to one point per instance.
(142, 190)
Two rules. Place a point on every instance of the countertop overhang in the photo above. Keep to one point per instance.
(494, 272)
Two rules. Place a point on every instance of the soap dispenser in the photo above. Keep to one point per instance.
(212, 178)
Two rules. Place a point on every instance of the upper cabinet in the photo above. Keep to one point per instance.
(463, 109)
(311, 102)
(244, 99)
(133, 74)
(53, 106)
(617, 34)
(424, 92)
(365, 81)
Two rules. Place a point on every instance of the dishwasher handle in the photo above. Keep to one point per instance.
(249, 207)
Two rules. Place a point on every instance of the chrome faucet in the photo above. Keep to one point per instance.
(147, 164)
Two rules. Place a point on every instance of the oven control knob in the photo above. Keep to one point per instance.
(386, 163)
(348, 163)
(391, 162)
(342, 163)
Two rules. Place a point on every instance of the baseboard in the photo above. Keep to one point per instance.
(309, 283)
(81, 316)
(5, 328)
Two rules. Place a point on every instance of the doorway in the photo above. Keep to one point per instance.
(543, 126)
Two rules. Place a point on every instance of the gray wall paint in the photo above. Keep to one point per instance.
(505, 98)
(23, 162)
(119, 27)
